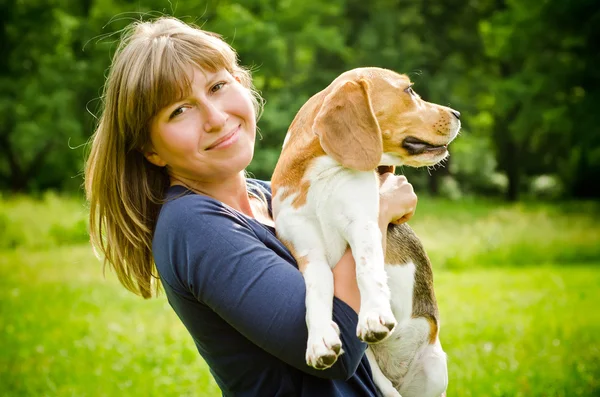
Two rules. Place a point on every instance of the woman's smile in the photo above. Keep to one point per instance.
(226, 141)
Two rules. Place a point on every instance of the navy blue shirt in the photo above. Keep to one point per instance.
(239, 293)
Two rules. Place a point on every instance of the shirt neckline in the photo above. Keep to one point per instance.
(177, 191)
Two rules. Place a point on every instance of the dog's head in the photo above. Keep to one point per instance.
(371, 117)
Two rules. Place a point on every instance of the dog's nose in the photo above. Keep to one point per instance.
(456, 114)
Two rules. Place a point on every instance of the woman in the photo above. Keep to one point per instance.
(166, 185)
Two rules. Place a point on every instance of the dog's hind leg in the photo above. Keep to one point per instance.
(386, 388)
(428, 374)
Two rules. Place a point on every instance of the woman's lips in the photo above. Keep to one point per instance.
(226, 141)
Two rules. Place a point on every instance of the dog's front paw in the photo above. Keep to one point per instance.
(324, 347)
(375, 325)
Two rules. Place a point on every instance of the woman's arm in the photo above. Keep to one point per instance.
(224, 264)
(345, 286)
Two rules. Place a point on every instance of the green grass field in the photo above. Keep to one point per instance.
(518, 288)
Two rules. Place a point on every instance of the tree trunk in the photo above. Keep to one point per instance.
(513, 170)
(508, 153)
(507, 147)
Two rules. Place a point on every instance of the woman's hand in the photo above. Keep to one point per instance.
(397, 199)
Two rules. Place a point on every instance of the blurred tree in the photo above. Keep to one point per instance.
(38, 79)
(538, 76)
(522, 73)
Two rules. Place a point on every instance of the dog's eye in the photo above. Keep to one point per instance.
(409, 90)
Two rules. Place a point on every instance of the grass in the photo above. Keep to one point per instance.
(457, 235)
(476, 233)
(521, 332)
(43, 223)
(67, 331)
(517, 287)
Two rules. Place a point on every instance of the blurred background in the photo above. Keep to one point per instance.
(510, 221)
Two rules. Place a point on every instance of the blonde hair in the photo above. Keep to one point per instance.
(148, 72)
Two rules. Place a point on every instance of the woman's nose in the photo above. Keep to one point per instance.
(215, 118)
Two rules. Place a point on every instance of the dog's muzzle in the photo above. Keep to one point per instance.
(416, 146)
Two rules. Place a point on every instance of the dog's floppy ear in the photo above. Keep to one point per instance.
(347, 127)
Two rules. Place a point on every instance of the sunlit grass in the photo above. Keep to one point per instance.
(476, 233)
(68, 331)
(42, 223)
(517, 285)
(456, 234)
(521, 332)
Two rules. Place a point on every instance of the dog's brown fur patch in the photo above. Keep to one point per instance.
(404, 246)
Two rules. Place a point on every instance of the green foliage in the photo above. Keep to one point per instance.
(547, 187)
(473, 164)
(539, 80)
(520, 73)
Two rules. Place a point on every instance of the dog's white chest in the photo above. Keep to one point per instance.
(336, 198)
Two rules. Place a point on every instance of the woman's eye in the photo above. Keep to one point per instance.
(177, 111)
(217, 87)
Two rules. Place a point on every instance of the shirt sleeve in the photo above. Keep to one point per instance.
(260, 294)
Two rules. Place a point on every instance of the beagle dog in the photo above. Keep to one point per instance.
(326, 196)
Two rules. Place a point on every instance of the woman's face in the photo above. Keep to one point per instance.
(209, 135)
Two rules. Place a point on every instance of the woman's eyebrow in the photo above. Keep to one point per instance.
(220, 75)
(185, 94)
(165, 111)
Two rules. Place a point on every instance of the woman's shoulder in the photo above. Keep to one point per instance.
(190, 229)
(190, 212)
(180, 204)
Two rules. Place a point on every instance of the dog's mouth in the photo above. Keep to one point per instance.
(415, 146)
(382, 169)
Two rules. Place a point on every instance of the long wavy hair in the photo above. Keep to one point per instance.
(150, 69)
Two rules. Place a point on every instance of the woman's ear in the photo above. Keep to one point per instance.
(154, 158)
